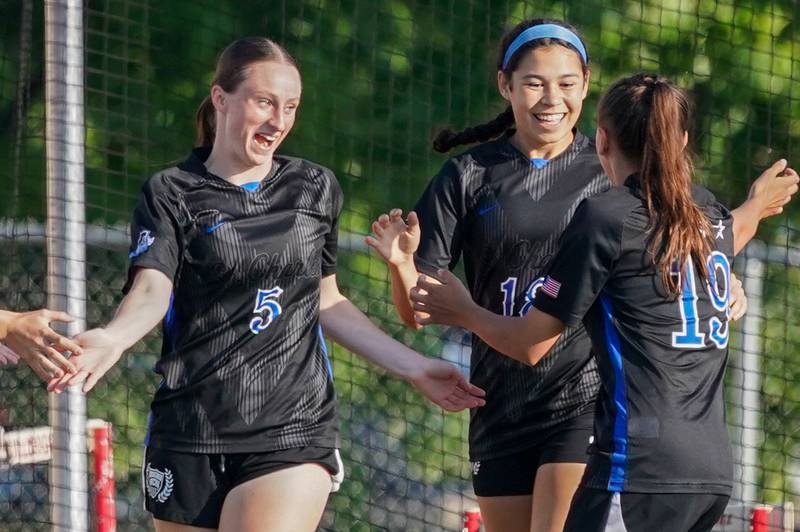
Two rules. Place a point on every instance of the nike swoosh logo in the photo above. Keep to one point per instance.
(489, 208)
(210, 229)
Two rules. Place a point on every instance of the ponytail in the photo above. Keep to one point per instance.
(447, 139)
(648, 117)
(204, 122)
(681, 231)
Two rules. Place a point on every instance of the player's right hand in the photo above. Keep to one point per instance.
(29, 335)
(100, 351)
(396, 240)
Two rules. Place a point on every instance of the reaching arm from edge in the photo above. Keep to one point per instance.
(439, 381)
(769, 193)
(29, 336)
(140, 310)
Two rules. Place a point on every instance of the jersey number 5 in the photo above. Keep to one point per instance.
(690, 335)
(267, 309)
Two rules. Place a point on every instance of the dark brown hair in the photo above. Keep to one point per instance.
(447, 139)
(231, 70)
(648, 119)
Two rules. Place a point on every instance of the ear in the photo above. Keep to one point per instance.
(218, 98)
(685, 138)
(601, 141)
(586, 80)
(503, 85)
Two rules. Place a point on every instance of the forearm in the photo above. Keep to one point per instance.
(141, 310)
(345, 324)
(745, 224)
(5, 317)
(525, 339)
(404, 278)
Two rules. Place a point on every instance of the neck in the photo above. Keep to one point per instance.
(620, 169)
(234, 171)
(534, 150)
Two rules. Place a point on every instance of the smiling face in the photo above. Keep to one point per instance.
(254, 119)
(546, 93)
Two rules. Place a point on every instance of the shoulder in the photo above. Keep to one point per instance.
(608, 209)
(706, 200)
(309, 169)
(470, 165)
(171, 182)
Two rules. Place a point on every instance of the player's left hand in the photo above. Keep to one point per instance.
(737, 304)
(774, 188)
(446, 304)
(442, 383)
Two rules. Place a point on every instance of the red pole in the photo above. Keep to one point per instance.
(472, 520)
(104, 488)
(760, 518)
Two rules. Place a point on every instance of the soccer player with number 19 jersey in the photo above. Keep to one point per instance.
(646, 268)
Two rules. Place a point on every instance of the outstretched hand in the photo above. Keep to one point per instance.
(774, 188)
(30, 336)
(448, 303)
(442, 383)
(394, 239)
(99, 354)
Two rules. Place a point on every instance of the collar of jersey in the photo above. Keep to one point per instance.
(579, 141)
(195, 164)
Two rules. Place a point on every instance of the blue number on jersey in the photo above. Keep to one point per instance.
(266, 303)
(690, 335)
(509, 290)
(716, 264)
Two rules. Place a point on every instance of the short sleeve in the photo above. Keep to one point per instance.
(332, 238)
(156, 230)
(441, 215)
(589, 249)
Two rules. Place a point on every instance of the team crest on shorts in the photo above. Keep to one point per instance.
(476, 466)
(159, 483)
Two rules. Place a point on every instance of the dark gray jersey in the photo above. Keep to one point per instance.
(243, 361)
(660, 424)
(504, 216)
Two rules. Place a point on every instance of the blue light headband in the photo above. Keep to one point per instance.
(545, 31)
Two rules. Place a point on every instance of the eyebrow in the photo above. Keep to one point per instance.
(536, 76)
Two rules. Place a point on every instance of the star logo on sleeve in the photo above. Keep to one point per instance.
(719, 227)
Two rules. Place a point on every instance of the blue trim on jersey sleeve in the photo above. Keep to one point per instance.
(251, 187)
(619, 453)
(539, 163)
(325, 351)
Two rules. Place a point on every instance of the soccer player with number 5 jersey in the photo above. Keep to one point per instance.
(235, 248)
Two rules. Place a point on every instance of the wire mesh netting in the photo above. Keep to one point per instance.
(378, 78)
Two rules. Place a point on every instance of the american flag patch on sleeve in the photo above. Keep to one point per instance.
(550, 287)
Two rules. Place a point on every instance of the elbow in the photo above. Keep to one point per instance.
(532, 355)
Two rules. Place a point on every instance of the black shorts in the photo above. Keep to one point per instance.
(514, 474)
(594, 510)
(190, 488)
